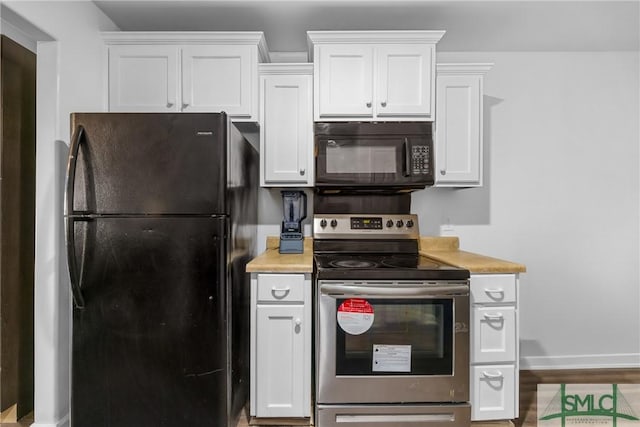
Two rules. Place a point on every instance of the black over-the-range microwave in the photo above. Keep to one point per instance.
(373, 156)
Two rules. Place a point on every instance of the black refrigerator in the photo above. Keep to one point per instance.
(160, 213)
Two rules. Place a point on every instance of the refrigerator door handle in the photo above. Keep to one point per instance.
(74, 278)
(74, 148)
(70, 221)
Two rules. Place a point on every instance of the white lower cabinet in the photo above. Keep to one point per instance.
(493, 389)
(494, 347)
(280, 345)
(494, 334)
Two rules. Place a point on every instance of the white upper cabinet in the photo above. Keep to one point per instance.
(185, 72)
(458, 129)
(374, 75)
(404, 80)
(344, 81)
(143, 78)
(219, 78)
(286, 124)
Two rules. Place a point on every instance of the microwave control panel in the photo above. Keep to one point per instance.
(420, 160)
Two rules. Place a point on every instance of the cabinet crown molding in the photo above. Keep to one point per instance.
(285, 68)
(464, 68)
(373, 37)
(254, 38)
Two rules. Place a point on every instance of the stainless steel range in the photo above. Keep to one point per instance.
(392, 327)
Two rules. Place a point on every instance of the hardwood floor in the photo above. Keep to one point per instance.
(529, 381)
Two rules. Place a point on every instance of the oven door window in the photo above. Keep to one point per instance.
(420, 329)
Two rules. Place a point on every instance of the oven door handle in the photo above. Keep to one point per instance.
(414, 291)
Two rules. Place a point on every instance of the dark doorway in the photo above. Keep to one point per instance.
(17, 224)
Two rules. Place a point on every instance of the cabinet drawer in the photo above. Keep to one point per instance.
(281, 287)
(494, 334)
(493, 392)
(493, 288)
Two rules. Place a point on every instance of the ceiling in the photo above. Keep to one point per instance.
(471, 25)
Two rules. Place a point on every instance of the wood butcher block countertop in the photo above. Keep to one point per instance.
(444, 249)
(447, 249)
(272, 261)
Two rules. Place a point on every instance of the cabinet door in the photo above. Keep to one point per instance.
(286, 121)
(458, 137)
(280, 361)
(143, 78)
(404, 80)
(493, 392)
(218, 78)
(494, 334)
(345, 81)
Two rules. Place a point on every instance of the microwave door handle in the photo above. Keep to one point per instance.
(407, 157)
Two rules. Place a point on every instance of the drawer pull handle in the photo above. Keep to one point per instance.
(494, 291)
(282, 292)
(494, 316)
(490, 375)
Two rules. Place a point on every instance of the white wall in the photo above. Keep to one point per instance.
(561, 195)
(69, 78)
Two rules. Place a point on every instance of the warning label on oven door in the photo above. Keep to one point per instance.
(391, 358)
(355, 316)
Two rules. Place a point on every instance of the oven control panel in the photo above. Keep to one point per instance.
(377, 226)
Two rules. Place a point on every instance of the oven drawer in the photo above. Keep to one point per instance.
(281, 287)
(453, 415)
(493, 288)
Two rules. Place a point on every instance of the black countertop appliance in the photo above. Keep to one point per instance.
(294, 209)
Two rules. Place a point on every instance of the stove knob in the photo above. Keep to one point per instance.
(409, 223)
(323, 223)
(399, 223)
(334, 223)
(389, 223)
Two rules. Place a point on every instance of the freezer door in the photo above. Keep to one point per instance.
(150, 345)
(146, 163)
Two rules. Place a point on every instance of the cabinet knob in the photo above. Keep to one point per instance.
(184, 106)
(169, 104)
(368, 105)
(302, 172)
(443, 172)
(297, 322)
(383, 103)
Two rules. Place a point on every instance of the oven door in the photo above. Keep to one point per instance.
(395, 162)
(392, 342)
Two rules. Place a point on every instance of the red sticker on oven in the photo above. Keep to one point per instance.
(355, 316)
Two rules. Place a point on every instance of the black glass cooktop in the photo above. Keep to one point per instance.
(384, 266)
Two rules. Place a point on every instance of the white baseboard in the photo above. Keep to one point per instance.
(61, 423)
(589, 361)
